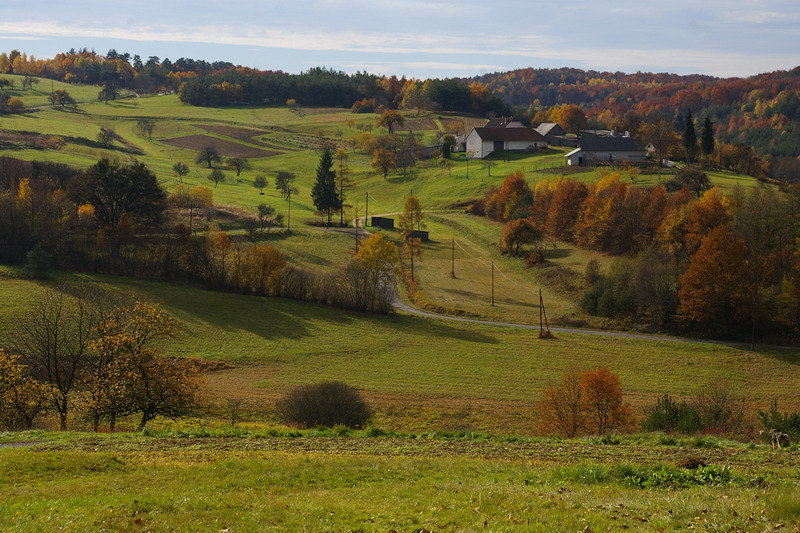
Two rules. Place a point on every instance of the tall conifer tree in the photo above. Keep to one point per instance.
(707, 136)
(324, 192)
(689, 137)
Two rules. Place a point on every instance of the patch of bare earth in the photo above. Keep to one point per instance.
(222, 146)
(418, 124)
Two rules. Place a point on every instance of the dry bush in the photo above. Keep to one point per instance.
(325, 404)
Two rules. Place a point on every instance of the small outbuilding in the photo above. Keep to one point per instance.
(382, 222)
(556, 135)
(419, 234)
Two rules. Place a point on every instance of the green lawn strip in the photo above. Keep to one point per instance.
(370, 484)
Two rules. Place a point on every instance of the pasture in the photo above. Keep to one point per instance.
(275, 139)
(420, 374)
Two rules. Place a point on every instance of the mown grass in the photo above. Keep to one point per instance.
(420, 374)
(304, 484)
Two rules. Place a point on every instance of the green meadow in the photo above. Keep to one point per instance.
(420, 374)
(324, 481)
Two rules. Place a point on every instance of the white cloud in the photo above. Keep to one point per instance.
(462, 52)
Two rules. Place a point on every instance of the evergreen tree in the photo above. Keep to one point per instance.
(689, 137)
(324, 192)
(707, 136)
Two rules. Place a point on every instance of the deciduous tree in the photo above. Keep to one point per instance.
(53, 336)
(412, 215)
(390, 120)
(116, 191)
(602, 401)
(146, 127)
(561, 408)
(208, 155)
(180, 170)
(715, 290)
(106, 136)
(22, 398)
(283, 182)
(517, 233)
(216, 176)
(238, 164)
(383, 160)
(259, 183)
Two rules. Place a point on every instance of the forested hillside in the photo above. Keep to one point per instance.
(761, 111)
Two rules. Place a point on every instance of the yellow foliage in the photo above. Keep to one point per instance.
(379, 254)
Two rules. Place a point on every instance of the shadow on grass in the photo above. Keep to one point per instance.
(558, 253)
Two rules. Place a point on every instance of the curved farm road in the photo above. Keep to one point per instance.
(400, 305)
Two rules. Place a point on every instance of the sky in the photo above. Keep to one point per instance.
(423, 38)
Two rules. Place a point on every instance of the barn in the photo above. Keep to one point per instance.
(483, 141)
(599, 150)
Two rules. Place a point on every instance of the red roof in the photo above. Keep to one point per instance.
(509, 134)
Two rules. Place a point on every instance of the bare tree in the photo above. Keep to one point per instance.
(146, 126)
(53, 339)
(106, 136)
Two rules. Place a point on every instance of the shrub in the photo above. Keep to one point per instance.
(721, 410)
(788, 422)
(325, 404)
(671, 416)
(592, 274)
(38, 263)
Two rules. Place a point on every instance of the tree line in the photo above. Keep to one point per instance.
(761, 111)
(112, 70)
(360, 91)
(714, 265)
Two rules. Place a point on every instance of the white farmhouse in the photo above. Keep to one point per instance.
(483, 141)
(596, 149)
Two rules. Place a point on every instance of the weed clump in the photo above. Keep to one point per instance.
(695, 473)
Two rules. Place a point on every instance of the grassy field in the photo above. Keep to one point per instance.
(516, 286)
(421, 374)
(356, 483)
(286, 140)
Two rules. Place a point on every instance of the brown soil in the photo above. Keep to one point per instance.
(243, 134)
(418, 124)
(225, 148)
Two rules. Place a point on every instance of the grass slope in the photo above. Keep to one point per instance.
(295, 138)
(422, 374)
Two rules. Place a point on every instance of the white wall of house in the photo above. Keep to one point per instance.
(477, 148)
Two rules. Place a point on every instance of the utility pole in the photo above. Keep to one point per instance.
(544, 327)
(356, 225)
(453, 259)
(492, 283)
(366, 209)
(289, 217)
